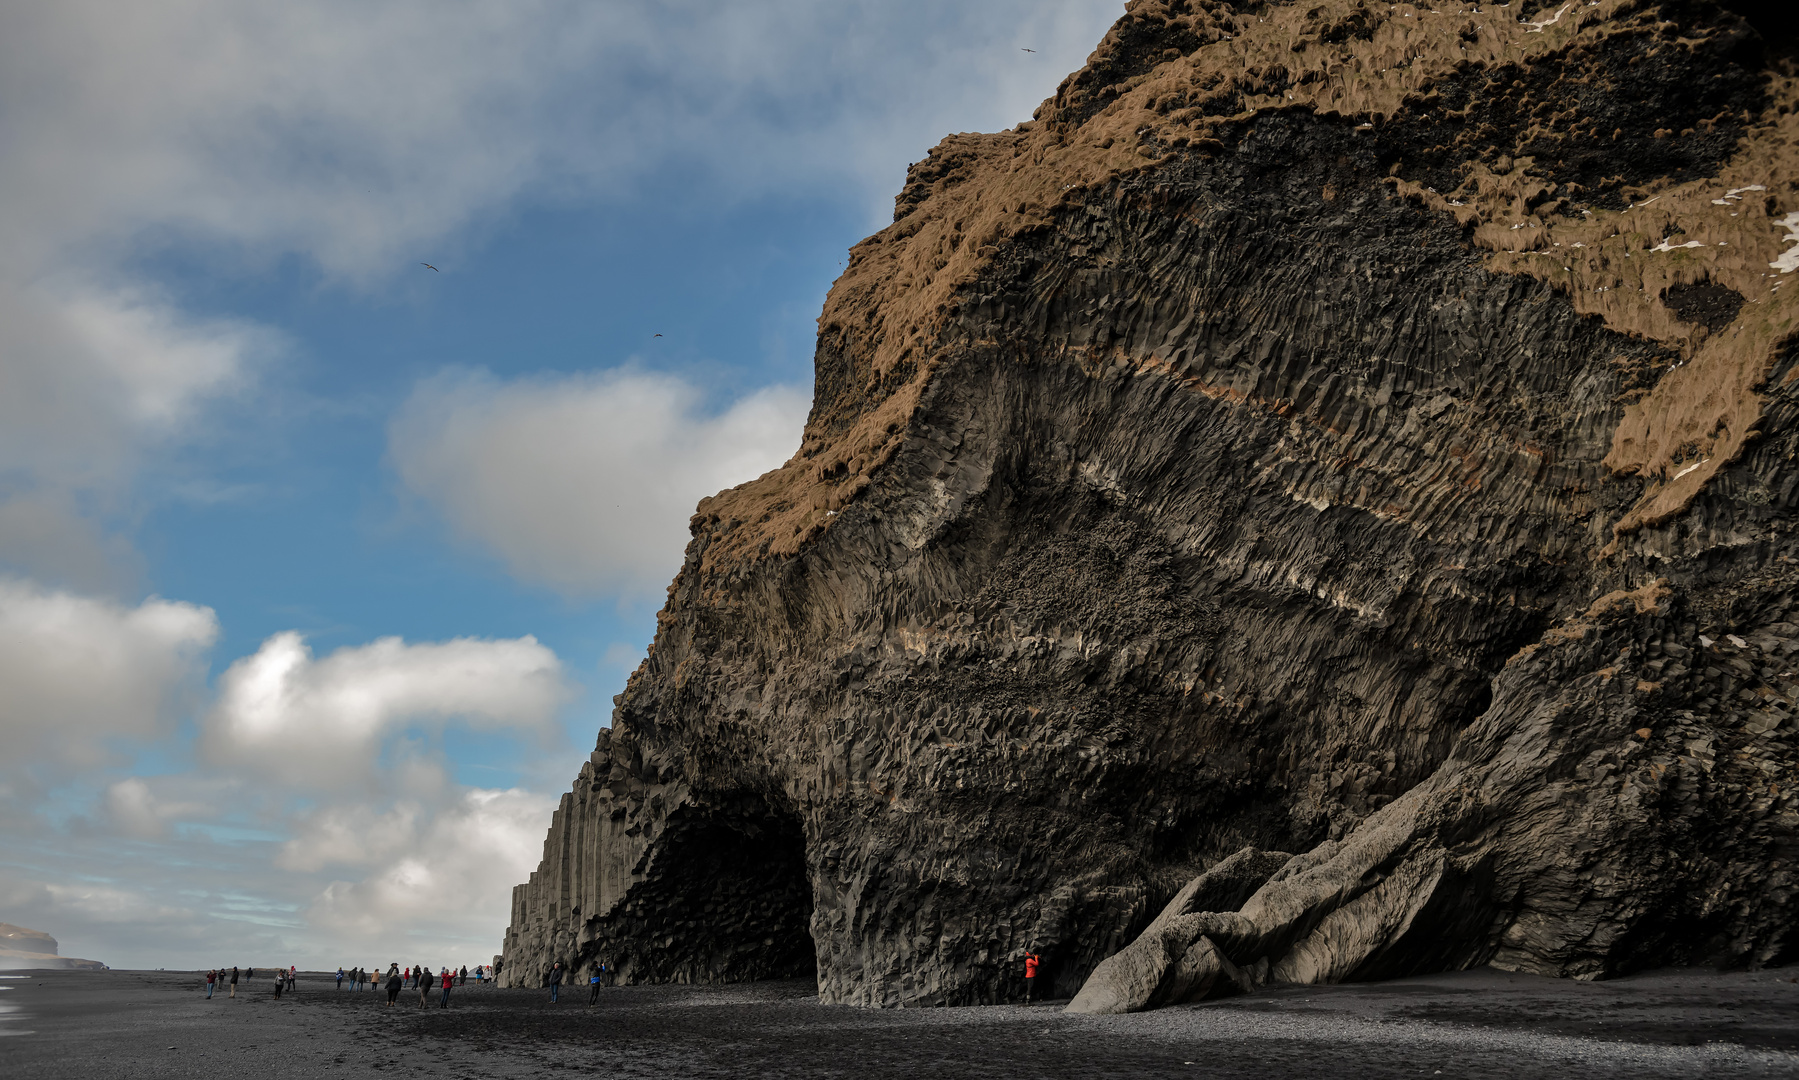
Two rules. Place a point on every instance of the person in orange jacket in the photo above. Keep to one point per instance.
(1030, 973)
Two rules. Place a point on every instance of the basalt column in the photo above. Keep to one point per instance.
(1313, 503)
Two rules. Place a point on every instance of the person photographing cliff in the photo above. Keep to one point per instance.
(1030, 973)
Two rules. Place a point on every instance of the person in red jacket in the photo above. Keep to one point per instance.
(449, 980)
(1030, 974)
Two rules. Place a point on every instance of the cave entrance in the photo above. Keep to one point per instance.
(726, 898)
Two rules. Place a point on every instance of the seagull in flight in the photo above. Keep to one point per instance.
(428, 266)
(658, 335)
(1027, 50)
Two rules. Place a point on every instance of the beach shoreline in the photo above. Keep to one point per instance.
(75, 1024)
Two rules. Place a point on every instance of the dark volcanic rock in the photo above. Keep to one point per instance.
(1318, 431)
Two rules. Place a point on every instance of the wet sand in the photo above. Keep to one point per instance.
(67, 1024)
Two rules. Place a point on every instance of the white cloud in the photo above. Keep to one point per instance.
(584, 482)
(144, 807)
(322, 722)
(93, 383)
(319, 826)
(447, 877)
(79, 671)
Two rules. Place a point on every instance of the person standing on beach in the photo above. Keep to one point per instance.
(449, 979)
(293, 973)
(593, 986)
(463, 980)
(1030, 974)
(556, 980)
(394, 982)
(280, 981)
(233, 982)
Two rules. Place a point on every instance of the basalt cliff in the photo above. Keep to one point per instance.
(1317, 502)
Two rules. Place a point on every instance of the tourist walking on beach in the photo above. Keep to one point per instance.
(280, 981)
(293, 972)
(394, 982)
(449, 979)
(1030, 974)
(556, 980)
(233, 982)
(463, 980)
(211, 977)
(593, 986)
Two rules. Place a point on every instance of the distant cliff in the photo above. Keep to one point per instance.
(1362, 435)
(22, 948)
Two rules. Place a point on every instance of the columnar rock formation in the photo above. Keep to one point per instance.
(1353, 431)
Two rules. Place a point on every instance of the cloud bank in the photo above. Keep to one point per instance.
(81, 673)
(317, 824)
(584, 483)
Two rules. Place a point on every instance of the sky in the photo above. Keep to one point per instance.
(319, 567)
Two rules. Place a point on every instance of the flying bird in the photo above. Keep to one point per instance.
(658, 335)
(428, 266)
(1027, 50)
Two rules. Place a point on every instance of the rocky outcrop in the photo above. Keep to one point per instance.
(35, 950)
(1353, 431)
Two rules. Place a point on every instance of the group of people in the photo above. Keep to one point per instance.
(597, 976)
(217, 977)
(360, 978)
(396, 979)
(421, 979)
(424, 981)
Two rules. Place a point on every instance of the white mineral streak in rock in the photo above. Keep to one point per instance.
(1665, 246)
(1788, 262)
(1537, 27)
(1690, 468)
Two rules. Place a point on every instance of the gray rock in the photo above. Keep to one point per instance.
(1219, 497)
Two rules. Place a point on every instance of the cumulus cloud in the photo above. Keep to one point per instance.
(322, 721)
(80, 671)
(584, 482)
(446, 877)
(319, 825)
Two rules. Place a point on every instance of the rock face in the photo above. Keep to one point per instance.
(1352, 431)
(34, 949)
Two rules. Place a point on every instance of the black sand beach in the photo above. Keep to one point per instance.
(1477, 1024)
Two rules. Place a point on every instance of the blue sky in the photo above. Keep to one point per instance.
(318, 568)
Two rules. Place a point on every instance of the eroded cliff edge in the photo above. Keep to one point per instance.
(1355, 431)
